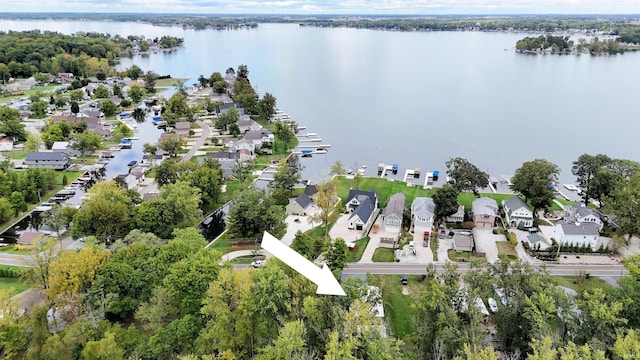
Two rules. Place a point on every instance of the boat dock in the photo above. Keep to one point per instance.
(428, 181)
(383, 169)
(309, 146)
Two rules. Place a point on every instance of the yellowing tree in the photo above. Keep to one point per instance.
(73, 272)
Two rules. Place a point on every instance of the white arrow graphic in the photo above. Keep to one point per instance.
(327, 283)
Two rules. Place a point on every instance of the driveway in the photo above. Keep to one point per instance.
(443, 249)
(486, 242)
(302, 224)
(339, 230)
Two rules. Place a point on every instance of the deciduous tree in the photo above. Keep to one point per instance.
(446, 200)
(625, 204)
(326, 200)
(85, 142)
(535, 180)
(465, 176)
(253, 213)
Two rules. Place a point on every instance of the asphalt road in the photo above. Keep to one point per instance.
(602, 271)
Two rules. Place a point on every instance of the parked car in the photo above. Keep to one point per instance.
(450, 235)
(443, 234)
(404, 280)
(256, 264)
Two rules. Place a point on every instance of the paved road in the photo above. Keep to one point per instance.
(603, 271)
(206, 131)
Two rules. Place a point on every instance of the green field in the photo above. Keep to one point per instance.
(169, 81)
(581, 284)
(26, 93)
(397, 306)
(15, 286)
(384, 255)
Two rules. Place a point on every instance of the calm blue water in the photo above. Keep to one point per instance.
(416, 99)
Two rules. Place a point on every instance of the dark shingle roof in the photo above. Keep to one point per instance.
(585, 228)
(310, 190)
(365, 210)
(223, 155)
(515, 203)
(303, 200)
(46, 156)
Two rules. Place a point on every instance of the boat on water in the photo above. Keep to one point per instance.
(312, 135)
(84, 178)
(44, 207)
(132, 163)
(394, 168)
(321, 151)
(306, 152)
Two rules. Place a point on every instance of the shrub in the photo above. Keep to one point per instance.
(513, 239)
(9, 273)
(467, 225)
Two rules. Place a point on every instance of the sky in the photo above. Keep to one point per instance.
(418, 7)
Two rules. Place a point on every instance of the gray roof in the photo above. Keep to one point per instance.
(585, 228)
(365, 209)
(310, 190)
(303, 200)
(580, 210)
(46, 156)
(423, 206)
(361, 195)
(182, 125)
(395, 205)
(515, 203)
(256, 135)
(223, 155)
(484, 206)
(536, 238)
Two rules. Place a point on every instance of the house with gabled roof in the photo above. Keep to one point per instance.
(246, 149)
(363, 206)
(259, 137)
(49, 160)
(517, 213)
(422, 214)
(456, 217)
(581, 213)
(245, 123)
(224, 108)
(484, 212)
(182, 128)
(576, 234)
(299, 205)
(392, 215)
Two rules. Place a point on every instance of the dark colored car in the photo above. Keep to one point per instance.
(450, 235)
(404, 280)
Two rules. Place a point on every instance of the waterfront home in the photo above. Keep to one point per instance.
(224, 108)
(484, 212)
(422, 214)
(129, 180)
(246, 149)
(182, 129)
(227, 160)
(393, 213)
(6, 144)
(362, 205)
(576, 234)
(299, 205)
(64, 147)
(50, 160)
(581, 213)
(518, 214)
(246, 124)
(259, 137)
(456, 217)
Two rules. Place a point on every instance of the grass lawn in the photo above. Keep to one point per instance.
(16, 154)
(27, 93)
(434, 243)
(16, 286)
(384, 255)
(223, 246)
(581, 284)
(10, 249)
(356, 255)
(467, 198)
(169, 81)
(463, 256)
(383, 187)
(397, 306)
(506, 251)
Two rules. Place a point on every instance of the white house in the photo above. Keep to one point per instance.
(63, 147)
(362, 205)
(458, 216)
(576, 234)
(393, 213)
(518, 214)
(422, 212)
(583, 214)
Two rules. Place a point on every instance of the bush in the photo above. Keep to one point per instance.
(513, 239)
(9, 273)
(23, 247)
(125, 103)
(467, 225)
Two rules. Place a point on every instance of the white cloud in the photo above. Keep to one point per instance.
(331, 6)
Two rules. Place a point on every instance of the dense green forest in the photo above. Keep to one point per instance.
(563, 45)
(26, 53)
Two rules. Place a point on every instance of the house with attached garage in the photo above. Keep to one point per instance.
(362, 205)
(581, 213)
(49, 160)
(577, 234)
(485, 211)
(517, 213)
(299, 205)
(393, 213)
(422, 214)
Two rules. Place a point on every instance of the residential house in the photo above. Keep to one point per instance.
(463, 241)
(362, 205)
(517, 213)
(155, 159)
(456, 217)
(581, 213)
(576, 234)
(227, 160)
(50, 160)
(484, 212)
(299, 205)
(64, 147)
(64, 78)
(246, 149)
(30, 237)
(182, 129)
(21, 85)
(422, 214)
(130, 180)
(392, 215)
(224, 108)
(6, 144)
(246, 124)
(537, 241)
(259, 137)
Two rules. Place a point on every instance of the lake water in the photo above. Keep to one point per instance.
(415, 99)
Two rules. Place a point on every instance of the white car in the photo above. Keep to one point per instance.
(256, 264)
